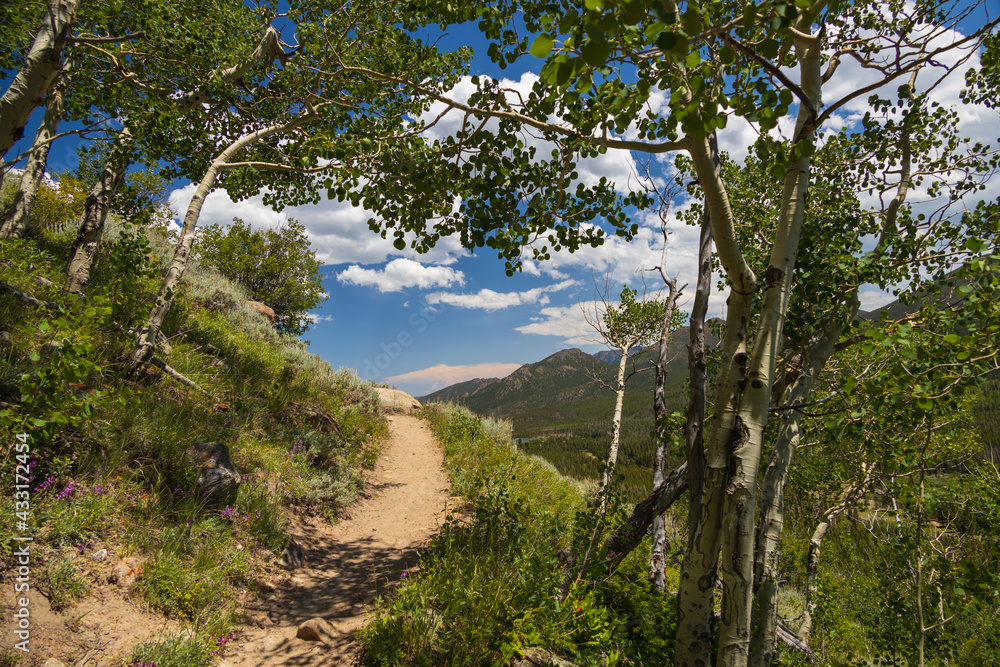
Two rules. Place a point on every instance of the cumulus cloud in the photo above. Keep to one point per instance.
(402, 273)
(490, 300)
(440, 376)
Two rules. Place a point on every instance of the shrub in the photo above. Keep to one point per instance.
(64, 584)
(172, 650)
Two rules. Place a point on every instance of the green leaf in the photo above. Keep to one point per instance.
(667, 41)
(594, 5)
(542, 46)
(691, 20)
(595, 52)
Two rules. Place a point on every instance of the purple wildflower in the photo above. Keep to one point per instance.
(67, 492)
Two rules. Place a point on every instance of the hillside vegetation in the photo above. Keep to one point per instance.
(114, 463)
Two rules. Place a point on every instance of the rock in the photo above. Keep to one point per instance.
(99, 555)
(127, 571)
(262, 621)
(315, 629)
(292, 556)
(52, 662)
(261, 308)
(5, 337)
(396, 402)
(219, 480)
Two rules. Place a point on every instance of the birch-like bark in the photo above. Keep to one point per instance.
(657, 558)
(616, 427)
(146, 346)
(95, 213)
(41, 67)
(694, 434)
(812, 570)
(764, 617)
(34, 170)
(695, 613)
(744, 457)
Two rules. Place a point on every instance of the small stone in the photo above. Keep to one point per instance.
(127, 571)
(262, 621)
(219, 480)
(99, 555)
(292, 556)
(52, 662)
(315, 629)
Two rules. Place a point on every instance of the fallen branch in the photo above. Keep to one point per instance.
(174, 374)
(621, 542)
(539, 657)
(27, 298)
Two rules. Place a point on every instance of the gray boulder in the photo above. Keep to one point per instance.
(219, 480)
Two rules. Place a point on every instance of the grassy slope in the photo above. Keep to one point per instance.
(113, 462)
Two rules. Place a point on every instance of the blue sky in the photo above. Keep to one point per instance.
(422, 322)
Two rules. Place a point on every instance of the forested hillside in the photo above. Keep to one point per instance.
(561, 409)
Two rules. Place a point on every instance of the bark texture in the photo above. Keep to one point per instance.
(744, 456)
(616, 428)
(657, 559)
(88, 240)
(698, 365)
(41, 67)
(95, 214)
(24, 198)
(695, 617)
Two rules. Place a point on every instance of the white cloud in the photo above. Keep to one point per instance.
(401, 273)
(440, 376)
(314, 318)
(490, 300)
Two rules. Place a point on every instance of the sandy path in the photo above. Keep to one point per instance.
(347, 565)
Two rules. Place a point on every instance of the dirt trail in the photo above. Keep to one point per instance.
(347, 565)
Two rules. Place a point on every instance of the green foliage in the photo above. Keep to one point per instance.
(277, 267)
(56, 205)
(127, 466)
(56, 385)
(632, 322)
(62, 584)
(172, 650)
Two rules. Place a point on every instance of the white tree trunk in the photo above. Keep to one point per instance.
(41, 66)
(88, 240)
(657, 558)
(143, 352)
(745, 450)
(695, 612)
(24, 198)
(616, 427)
(95, 214)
